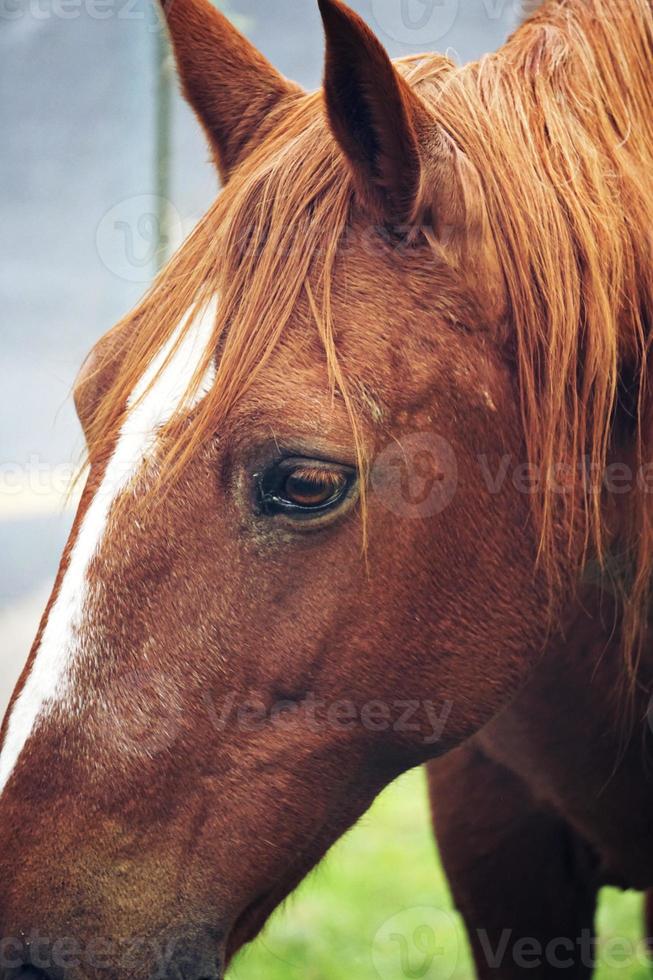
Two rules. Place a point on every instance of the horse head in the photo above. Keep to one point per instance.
(301, 563)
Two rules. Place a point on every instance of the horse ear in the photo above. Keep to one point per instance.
(230, 85)
(373, 112)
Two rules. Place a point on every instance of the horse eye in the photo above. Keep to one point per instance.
(304, 488)
(312, 489)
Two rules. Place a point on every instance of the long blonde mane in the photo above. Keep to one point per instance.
(559, 128)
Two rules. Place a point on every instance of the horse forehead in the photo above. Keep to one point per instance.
(160, 392)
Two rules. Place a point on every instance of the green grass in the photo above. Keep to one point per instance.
(379, 908)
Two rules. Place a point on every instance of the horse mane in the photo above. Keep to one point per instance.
(558, 124)
(558, 127)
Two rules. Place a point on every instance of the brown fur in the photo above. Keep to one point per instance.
(509, 318)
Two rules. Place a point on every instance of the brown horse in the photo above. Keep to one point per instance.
(368, 488)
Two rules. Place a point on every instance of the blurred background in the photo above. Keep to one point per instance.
(104, 171)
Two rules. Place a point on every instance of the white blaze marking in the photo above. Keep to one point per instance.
(48, 681)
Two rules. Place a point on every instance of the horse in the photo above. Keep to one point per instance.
(378, 438)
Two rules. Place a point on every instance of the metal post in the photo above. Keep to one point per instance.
(162, 147)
